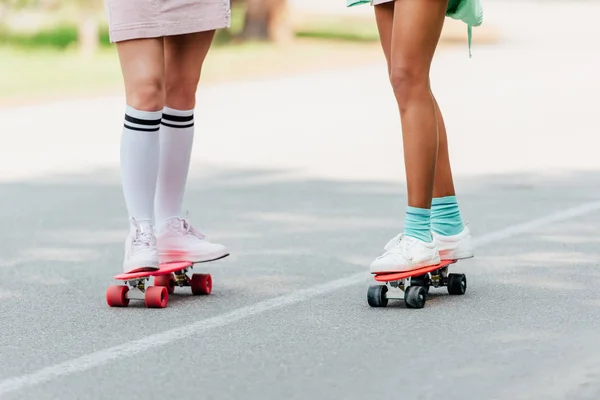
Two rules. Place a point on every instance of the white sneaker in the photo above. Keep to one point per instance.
(455, 247)
(181, 242)
(405, 253)
(140, 248)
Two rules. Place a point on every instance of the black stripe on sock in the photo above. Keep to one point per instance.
(177, 126)
(138, 121)
(176, 118)
(135, 128)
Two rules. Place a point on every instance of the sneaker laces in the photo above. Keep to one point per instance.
(144, 236)
(189, 230)
(400, 244)
(394, 242)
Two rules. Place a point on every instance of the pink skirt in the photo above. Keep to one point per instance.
(137, 19)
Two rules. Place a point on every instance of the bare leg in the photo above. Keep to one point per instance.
(184, 57)
(443, 182)
(143, 68)
(416, 31)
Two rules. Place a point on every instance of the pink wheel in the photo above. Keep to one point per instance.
(201, 284)
(116, 296)
(156, 297)
(167, 281)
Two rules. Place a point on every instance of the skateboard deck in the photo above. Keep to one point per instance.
(413, 286)
(166, 278)
(163, 269)
(396, 276)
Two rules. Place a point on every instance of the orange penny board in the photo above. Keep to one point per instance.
(163, 269)
(396, 276)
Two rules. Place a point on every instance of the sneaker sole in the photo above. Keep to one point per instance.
(408, 269)
(448, 255)
(140, 267)
(171, 258)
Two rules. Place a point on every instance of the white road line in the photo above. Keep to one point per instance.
(151, 342)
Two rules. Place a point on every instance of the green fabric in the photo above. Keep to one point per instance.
(351, 3)
(445, 216)
(468, 11)
(417, 223)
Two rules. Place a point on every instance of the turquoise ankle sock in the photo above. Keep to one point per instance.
(445, 216)
(417, 223)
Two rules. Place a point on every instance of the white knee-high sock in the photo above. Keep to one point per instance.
(176, 141)
(139, 162)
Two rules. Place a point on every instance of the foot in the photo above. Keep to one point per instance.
(455, 247)
(181, 242)
(405, 253)
(140, 248)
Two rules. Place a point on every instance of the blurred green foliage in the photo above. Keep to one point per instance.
(351, 30)
(41, 54)
(59, 37)
(64, 34)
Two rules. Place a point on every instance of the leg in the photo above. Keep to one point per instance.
(451, 236)
(409, 31)
(443, 182)
(184, 55)
(177, 240)
(142, 64)
(445, 215)
(415, 34)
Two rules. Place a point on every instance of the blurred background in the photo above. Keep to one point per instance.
(70, 40)
(58, 48)
(298, 168)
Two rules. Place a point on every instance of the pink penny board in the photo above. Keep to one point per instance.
(164, 269)
(396, 276)
(157, 296)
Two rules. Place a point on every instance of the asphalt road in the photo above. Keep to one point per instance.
(305, 194)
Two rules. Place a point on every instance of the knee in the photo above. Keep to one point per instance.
(146, 94)
(180, 92)
(407, 83)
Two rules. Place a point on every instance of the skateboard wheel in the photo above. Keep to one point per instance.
(376, 296)
(457, 284)
(156, 297)
(167, 281)
(116, 296)
(415, 297)
(201, 284)
(422, 280)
